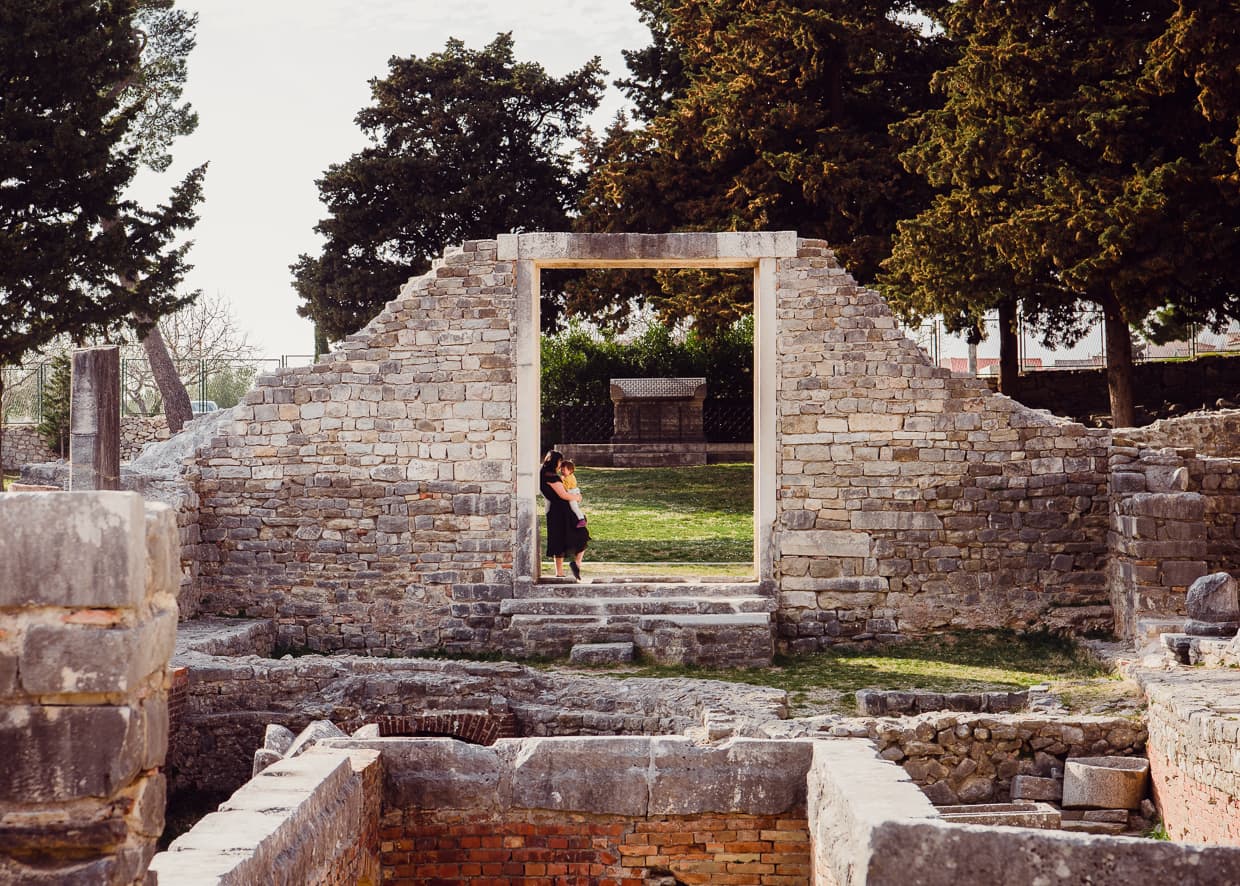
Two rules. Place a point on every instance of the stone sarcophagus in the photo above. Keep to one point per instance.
(658, 410)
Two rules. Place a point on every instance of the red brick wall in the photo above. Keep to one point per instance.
(554, 849)
(1193, 811)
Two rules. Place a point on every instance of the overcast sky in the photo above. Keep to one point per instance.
(276, 84)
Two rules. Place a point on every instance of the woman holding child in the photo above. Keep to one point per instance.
(566, 533)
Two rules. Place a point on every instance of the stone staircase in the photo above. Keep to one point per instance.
(668, 621)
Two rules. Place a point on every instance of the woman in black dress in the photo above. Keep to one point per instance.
(564, 538)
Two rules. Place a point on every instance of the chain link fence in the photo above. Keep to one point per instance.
(210, 383)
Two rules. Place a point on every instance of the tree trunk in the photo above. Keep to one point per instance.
(1009, 348)
(176, 399)
(2, 489)
(1119, 364)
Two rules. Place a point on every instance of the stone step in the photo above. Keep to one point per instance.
(595, 589)
(642, 621)
(602, 653)
(726, 639)
(608, 606)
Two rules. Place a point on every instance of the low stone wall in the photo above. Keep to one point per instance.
(138, 430)
(230, 701)
(1173, 520)
(22, 445)
(1082, 393)
(1215, 434)
(1194, 733)
(963, 758)
(602, 810)
(312, 819)
(869, 825)
(87, 623)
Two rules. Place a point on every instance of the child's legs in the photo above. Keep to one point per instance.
(576, 506)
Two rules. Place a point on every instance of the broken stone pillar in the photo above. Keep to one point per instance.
(1213, 606)
(95, 420)
(87, 625)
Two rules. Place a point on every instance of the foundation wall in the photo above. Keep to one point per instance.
(313, 819)
(228, 703)
(868, 825)
(963, 758)
(600, 810)
(1194, 765)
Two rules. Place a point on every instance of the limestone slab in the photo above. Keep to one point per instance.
(77, 549)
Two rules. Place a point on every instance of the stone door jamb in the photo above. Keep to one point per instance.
(533, 252)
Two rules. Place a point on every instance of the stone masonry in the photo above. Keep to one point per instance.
(87, 624)
(1174, 519)
(368, 503)
(910, 500)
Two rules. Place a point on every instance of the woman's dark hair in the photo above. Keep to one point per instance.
(552, 459)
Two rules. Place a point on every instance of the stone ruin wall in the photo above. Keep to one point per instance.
(366, 502)
(351, 500)
(913, 501)
(1173, 520)
(87, 623)
(228, 703)
(1214, 434)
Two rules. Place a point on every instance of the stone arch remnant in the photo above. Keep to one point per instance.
(385, 499)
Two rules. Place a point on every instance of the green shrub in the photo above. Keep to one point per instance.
(577, 365)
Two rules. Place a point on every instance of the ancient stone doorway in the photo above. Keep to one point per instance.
(533, 252)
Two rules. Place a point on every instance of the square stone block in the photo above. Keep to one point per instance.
(73, 549)
(54, 754)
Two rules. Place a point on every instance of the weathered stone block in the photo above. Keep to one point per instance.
(599, 775)
(1105, 782)
(71, 658)
(45, 758)
(1031, 787)
(77, 549)
(759, 777)
(1213, 606)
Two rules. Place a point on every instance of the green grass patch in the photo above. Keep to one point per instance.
(605, 571)
(8, 479)
(826, 682)
(661, 515)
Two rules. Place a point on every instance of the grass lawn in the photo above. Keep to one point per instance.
(669, 515)
(971, 661)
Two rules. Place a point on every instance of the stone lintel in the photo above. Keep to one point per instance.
(728, 249)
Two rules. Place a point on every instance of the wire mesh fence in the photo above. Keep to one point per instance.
(950, 351)
(211, 384)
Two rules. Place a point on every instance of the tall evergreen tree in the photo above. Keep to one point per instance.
(781, 123)
(68, 235)
(463, 144)
(1072, 177)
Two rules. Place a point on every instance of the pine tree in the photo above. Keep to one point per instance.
(463, 144)
(779, 121)
(70, 241)
(1071, 177)
(54, 426)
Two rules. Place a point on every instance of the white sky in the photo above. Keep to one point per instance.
(276, 84)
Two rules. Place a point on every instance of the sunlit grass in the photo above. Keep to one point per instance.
(965, 662)
(661, 515)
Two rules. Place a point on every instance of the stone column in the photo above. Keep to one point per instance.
(95, 420)
(87, 625)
